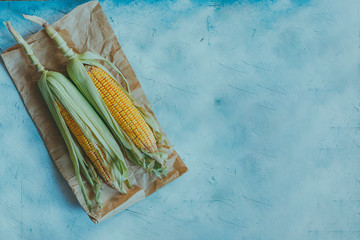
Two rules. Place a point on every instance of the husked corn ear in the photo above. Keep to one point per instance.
(87, 146)
(123, 110)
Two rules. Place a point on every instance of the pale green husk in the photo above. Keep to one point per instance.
(56, 88)
(77, 63)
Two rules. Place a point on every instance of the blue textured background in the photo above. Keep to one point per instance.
(260, 98)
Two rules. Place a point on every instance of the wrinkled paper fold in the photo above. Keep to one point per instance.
(90, 31)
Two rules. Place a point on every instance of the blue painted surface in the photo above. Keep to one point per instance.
(260, 98)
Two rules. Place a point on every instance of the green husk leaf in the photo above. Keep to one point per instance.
(74, 151)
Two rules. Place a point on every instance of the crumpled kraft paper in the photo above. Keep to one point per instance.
(84, 29)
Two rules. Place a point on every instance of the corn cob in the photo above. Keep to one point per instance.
(132, 125)
(123, 110)
(80, 125)
(87, 146)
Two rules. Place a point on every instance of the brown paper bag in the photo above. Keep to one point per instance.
(90, 31)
